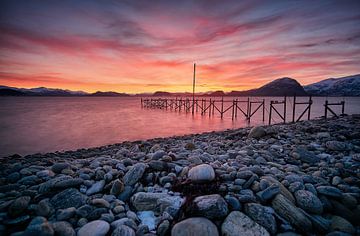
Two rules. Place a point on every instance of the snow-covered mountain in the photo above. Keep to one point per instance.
(41, 91)
(344, 86)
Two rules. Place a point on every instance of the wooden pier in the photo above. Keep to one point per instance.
(244, 107)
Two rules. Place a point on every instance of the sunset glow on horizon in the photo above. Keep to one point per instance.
(147, 46)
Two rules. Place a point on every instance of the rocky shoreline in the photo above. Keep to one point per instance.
(285, 179)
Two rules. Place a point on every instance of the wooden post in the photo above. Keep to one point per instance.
(342, 107)
(284, 109)
(293, 115)
(249, 116)
(326, 107)
(310, 104)
(270, 112)
(222, 107)
(263, 110)
(193, 90)
(232, 111)
(236, 109)
(141, 102)
(210, 108)
(247, 108)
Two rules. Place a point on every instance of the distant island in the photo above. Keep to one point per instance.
(344, 86)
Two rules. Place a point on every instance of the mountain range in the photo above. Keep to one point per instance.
(344, 86)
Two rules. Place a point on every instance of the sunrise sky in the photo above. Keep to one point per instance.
(144, 46)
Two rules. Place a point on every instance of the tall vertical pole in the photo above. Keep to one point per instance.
(194, 90)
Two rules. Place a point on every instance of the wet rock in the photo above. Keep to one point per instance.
(163, 228)
(134, 174)
(126, 194)
(336, 146)
(158, 154)
(68, 183)
(44, 208)
(63, 228)
(18, 206)
(211, 206)
(58, 167)
(68, 198)
(99, 202)
(40, 227)
(117, 187)
(201, 173)
(306, 156)
(283, 189)
(233, 203)
(156, 202)
(94, 228)
(194, 226)
(262, 215)
(257, 132)
(339, 223)
(158, 165)
(287, 210)
(268, 193)
(84, 211)
(309, 202)
(330, 191)
(123, 230)
(64, 214)
(96, 188)
(237, 223)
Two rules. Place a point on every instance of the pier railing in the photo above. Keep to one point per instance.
(245, 107)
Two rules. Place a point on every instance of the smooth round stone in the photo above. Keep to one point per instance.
(195, 226)
(94, 228)
(201, 173)
(309, 202)
(257, 132)
(58, 167)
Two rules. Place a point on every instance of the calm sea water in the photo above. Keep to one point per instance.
(45, 124)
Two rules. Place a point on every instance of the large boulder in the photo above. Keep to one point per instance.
(211, 206)
(257, 132)
(156, 202)
(201, 173)
(291, 213)
(134, 174)
(195, 226)
(237, 223)
(68, 198)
